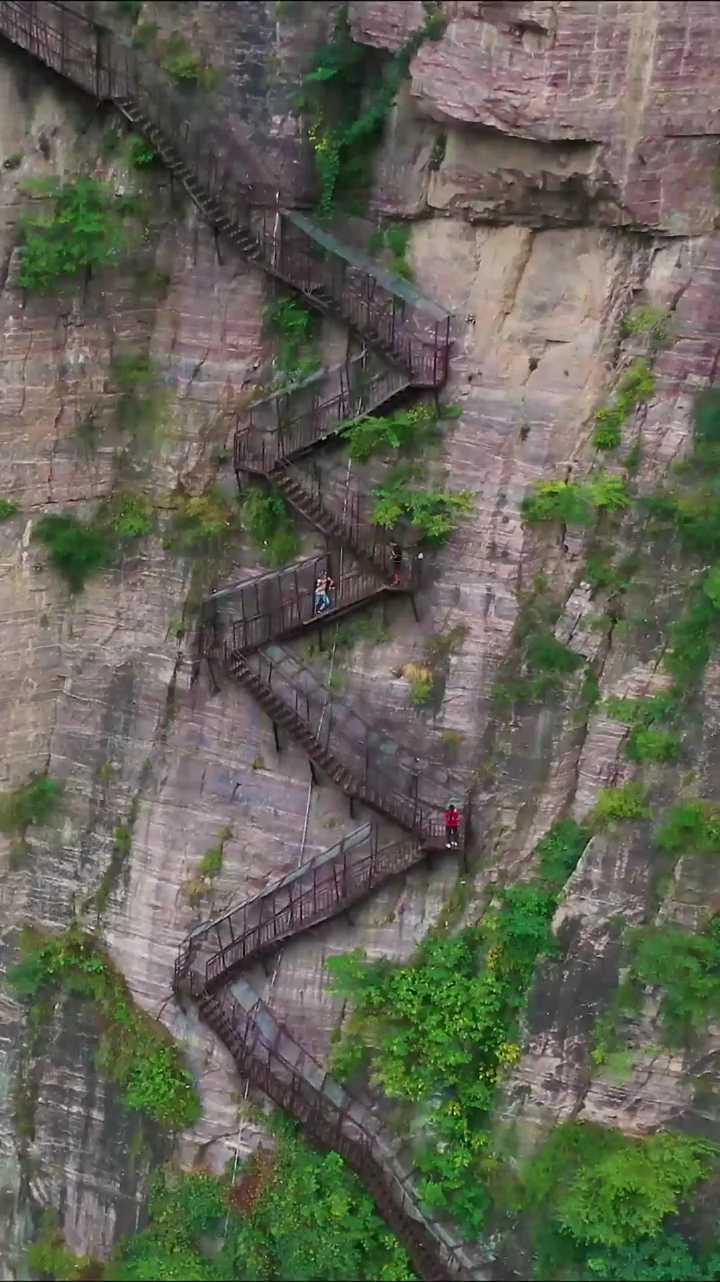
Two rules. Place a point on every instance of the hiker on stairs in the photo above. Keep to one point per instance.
(452, 826)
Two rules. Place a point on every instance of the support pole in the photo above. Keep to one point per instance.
(276, 737)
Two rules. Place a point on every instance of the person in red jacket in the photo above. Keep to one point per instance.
(452, 826)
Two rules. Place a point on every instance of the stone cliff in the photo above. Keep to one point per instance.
(559, 164)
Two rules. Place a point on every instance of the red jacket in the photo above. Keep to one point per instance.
(452, 818)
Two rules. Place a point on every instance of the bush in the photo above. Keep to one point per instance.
(140, 153)
(405, 429)
(202, 525)
(82, 231)
(665, 1258)
(607, 1189)
(184, 66)
(267, 519)
(49, 1256)
(636, 385)
(127, 516)
(135, 1051)
(434, 513)
(691, 640)
(394, 242)
(559, 850)
(652, 745)
(691, 826)
(443, 1028)
(687, 967)
(573, 502)
(421, 684)
(617, 804)
(650, 320)
(77, 549)
(292, 1213)
(32, 804)
(8, 509)
(294, 327)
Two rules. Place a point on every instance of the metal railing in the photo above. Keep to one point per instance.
(272, 1061)
(319, 892)
(331, 275)
(288, 423)
(370, 756)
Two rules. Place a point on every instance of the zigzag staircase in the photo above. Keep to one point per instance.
(273, 1061)
(413, 336)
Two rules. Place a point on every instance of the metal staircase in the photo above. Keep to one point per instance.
(272, 1060)
(226, 183)
(354, 754)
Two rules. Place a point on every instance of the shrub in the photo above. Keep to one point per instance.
(8, 509)
(82, 231)
(404, 429)
(443, 1028)
(421, 684)
(203, 524)
(636, 385)
(77, 549)
(648, 319)
(294, 328)
(49, 1256)
(266, 517)
(292, 1213)
(665, 1258)
(686, 966)
(652, 745)
(126, 516)
(140, 153)
(573, 502)
(141, 398)
(394, 242)
(691, 826)
(616, 804)
(559, 850)
(707, 416)
(184, 66)
(135, 1051)
(691, 642)
(32, 804)
(605, 1188)
(434, 513)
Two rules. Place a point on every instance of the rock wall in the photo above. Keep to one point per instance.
(558, 170)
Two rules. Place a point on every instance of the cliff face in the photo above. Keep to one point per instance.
(559, 160)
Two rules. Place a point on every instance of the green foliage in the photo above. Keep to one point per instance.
(196, 888)
(49, 1256)
(691, 640)
(8, 509)
(442, 1029)
(142, 398)
(652, 744)
(403, 430)
(83, 230)
(650, 320)
(573, 502)
(618, 804)
(558, 852)
(421, 684)
(294, 1213)
(393, 242)
(687, 967)
(636, 385)
(185, 67)
(126, 517)
(691, 826)
(32, 804)
(665, 1258)
(605, 1188)
(434, 513)
(267, 519)
(294, 328)
(140, 153)
(135, 1051)
(203, 524)
(348, 100)
(707, 416)
(77, 549)
(130, 8)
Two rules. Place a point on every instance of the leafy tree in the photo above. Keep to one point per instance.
(606, 1188)
(77, 549)
(686, 966)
